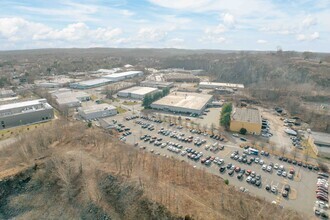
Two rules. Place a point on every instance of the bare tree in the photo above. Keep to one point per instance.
(306, 155)
(262, 145)
(283, 150)
(272, 147)
(294, 153)
(212, 128)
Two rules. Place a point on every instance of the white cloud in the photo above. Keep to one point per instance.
(212, 39)
(15, 29)
(229, 20)
(79, 31)
(262, 41)
(25, 32)
(181, 4)
(216, 30)
(308, 37)
(236, 7)
(127, 13)
(309, 21)
(150, 34)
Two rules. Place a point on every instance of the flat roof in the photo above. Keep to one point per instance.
(185, 100)
(67, 94)
(22, 104)
(246, 115)
(218, 84)
(157, 82)
(321, 138)
(97, 108)
(138, 90)
(66, 100)
(93, 82)
(123, 74)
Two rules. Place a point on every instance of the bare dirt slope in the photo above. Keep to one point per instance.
(73, 172)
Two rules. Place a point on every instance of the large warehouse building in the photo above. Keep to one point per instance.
(88, 84)
(181, 102)
(157, 84)
(247, 118)
(320, 143)
(70, 99)
(97, 111)
(216, 85)
(24, 113)
(137, 92)
(124, 75)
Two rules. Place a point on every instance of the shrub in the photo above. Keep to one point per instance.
(242, 131)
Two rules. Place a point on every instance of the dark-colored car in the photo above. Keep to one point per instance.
(222, 169)
(258, 183)
(287, 187)
(231, 172)
(267, 187)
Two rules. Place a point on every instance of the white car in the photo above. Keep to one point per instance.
(276, 166)
(264, 167)
(274, 189)
(235, 135)
(281, 167)
(284, 174)
(261, 162)
(269, 169)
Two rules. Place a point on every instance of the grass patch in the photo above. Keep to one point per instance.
(120, 110)
(130, 103)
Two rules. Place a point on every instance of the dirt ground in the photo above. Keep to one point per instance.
(279, 138)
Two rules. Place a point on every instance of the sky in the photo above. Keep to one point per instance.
(300, 25)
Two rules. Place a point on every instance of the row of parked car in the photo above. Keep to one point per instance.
(265, 129)
(321, 205)
(298, 163)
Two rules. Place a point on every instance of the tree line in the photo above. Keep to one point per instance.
(225, 115)
(150, 98)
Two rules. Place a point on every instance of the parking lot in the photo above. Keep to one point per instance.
(174, 142)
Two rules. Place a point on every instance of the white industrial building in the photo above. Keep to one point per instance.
(181, 102)
(157, 84)
(97, 111)
(88, 84)
(70, 99)
(137, 92)
(215, 85)
(23, 113)
(6, 93)
(123, 75)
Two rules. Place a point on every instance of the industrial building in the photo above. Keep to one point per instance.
(23, 113)
(97, 111)
(70, 99)
(181, 102)
(181, 77)
(247, 118)
(107, 123)
(216, 85)
(157, 84)
(137, 92)
(93, 83)
(6, 93)
(320, 143)
(123, 75)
